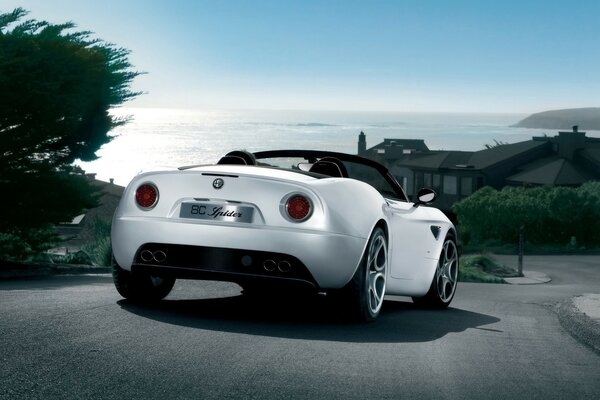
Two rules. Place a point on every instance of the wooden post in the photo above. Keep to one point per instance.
(521, 248)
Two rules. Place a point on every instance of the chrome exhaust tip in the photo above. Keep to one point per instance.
(284, 266)
(146, 256)
(159, 256)
(269, 265)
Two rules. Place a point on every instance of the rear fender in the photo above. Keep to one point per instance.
(351, 207)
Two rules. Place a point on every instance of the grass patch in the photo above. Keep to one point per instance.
(479, 268)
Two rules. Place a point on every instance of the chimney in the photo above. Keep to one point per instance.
(362, 143)
(569, 142)
(112, 181)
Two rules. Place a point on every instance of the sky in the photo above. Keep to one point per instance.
(401, 56)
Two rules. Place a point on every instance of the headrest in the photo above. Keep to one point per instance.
(330, 166)
(238, 157)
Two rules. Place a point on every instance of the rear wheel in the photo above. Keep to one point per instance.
(259, 291)
(442, 289)
(364, 293)
(141, 287)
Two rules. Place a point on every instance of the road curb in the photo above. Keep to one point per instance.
(529, 278)
(36, 270)
(579, 325)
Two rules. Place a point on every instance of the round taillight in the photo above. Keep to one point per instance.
(146, 196)
(298, 207)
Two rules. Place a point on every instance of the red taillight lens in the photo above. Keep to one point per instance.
(146, 195)
(298, 207)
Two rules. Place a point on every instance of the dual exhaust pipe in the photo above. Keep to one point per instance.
(281, 266)
(158, 256)
(269, 265)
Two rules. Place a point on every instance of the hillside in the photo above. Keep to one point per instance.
(586, 118)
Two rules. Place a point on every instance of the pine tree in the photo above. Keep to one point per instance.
(56, 88)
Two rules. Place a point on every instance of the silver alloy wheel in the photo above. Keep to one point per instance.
(446, 274)
(376, 269)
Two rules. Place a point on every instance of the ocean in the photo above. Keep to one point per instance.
(175, 137)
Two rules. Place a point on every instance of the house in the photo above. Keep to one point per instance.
(80, 230)
(568, 159)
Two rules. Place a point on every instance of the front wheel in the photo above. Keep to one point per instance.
(141, 287)
(442, 289)
(364, 293)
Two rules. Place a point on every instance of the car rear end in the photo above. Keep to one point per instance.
(235, 223)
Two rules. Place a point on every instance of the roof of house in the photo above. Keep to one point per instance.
(109, 188)
(409, 144)
(592, 154)
(470, 159)
(436, 159)
(80, 230)
(489, 157)
(551, 171)
(569, 159)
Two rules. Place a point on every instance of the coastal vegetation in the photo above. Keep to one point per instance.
(585, 118)
(56, 87)
(480, 268)
(99, 249)
(553, 218)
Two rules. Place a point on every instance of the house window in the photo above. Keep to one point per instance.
(479, 183)
(437, 180)
(418, 181)
(402, 180)
(449, 184)
(466, 186)
(427, 180)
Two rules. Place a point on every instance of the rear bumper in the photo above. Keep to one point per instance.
(215, 251)
(212, 263)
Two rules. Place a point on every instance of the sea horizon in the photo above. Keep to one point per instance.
(173, 137)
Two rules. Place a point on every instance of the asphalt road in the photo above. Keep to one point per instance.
(73, 337)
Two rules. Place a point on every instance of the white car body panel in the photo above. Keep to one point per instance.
(414, 251)
(330, 244)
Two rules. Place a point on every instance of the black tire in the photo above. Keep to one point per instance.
(268, 291)
(142, 288)
(444, 282)
(363, 295)
(256, 290)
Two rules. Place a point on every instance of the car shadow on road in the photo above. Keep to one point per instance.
(310, 319)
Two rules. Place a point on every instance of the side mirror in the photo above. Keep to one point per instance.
(425, 196)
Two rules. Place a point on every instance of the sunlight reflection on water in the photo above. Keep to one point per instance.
(169, 137)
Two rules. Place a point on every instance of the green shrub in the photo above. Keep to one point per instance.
(549, 215)
(479, 268)
(100, 250)
(23, 245)
(78, 258)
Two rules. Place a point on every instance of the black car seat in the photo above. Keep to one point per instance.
(330, 166)
(238, 157)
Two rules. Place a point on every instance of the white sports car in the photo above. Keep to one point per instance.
(329, 222)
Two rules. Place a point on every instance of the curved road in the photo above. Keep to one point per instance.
(73, 337)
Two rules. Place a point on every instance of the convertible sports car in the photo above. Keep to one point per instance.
(328, 222)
